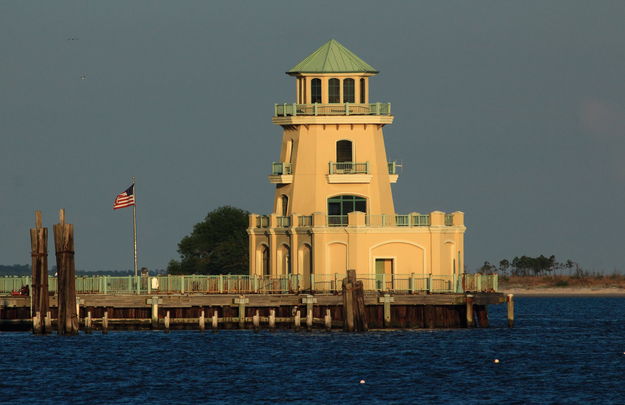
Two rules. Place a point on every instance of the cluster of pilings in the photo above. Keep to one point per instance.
(67, 319)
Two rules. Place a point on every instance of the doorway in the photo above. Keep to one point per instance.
(384, 273)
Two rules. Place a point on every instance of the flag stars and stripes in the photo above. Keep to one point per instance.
(125, 199)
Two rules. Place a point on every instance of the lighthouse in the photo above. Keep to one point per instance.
(333, 205)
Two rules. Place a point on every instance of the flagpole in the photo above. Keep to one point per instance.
(134, 226)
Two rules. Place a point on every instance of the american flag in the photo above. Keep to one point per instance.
(125, 199)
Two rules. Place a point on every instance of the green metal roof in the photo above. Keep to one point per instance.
(332, 57)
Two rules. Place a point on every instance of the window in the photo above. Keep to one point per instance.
(344, 151)
(344, 204)
(348, 91)
(362, 91)
(285, 204)
(334, 91)
(315, 91)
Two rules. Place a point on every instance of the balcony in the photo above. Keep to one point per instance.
(392, 171)
(294, 110)
(349, 172)
(281, 173)
(359, 219)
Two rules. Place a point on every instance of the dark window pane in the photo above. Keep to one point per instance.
(334, 91)
(344, 151)
(348, 91)
(361, 205)
(362, 90)
(315, 91)
(334, 208)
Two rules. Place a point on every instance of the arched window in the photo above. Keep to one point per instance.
(315, 90)
(266, 271)
(334, 91)
(284, 200)
(362, 91)
(341, 205)
(344, 151)
(348, 91)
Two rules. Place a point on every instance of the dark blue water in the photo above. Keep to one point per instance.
(562, 351)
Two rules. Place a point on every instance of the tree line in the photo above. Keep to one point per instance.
(532, 266)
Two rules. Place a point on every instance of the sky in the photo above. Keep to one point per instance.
(510, 111)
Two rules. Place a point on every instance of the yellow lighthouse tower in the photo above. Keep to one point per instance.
(333, 206)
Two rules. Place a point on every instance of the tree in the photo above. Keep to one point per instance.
(217, 245)
(487, 268)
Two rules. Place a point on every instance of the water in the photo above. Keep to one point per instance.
(562, 351)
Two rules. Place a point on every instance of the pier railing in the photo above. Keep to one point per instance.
(244, 284)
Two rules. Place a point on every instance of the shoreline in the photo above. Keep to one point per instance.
(564, 291)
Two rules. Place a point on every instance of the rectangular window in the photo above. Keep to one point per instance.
(334, 91)
(348, 91)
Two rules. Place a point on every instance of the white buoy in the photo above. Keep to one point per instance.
(362, 381)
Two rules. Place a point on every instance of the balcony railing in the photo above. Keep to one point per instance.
(397, 220)
(284, 222)
(449, 219)
(337, 220)
(262, 221)
(306, 220)
(370, 220)
(392, 167)
(293, 110)
(280, 168)
(349, 168)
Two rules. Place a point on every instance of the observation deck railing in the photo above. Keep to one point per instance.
(293, 110)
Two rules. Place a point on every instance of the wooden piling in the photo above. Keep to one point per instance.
(256, 321)
(297, 320)
(48, 322)
(510, 304)
(310, 301)
(105, 322)
(215, 321)
(154, 301)
(167, 322)
(39, 288)
(470, 321)
(354, 315)
(202, 322)
(88, 322)
(64, 246)
(387, 300)
(327, 320)
(272, 318)
(37, 325)
(241, 301)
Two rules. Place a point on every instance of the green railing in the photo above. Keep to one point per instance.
(449, 219)
(283, 110)
(349, 168)
(306, 220)
(337, 220)
(262, 221)
(242, 284)
(392, 167)
(280, 168)
(284, 222)
(384, 220)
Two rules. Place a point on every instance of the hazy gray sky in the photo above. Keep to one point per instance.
(511, 111)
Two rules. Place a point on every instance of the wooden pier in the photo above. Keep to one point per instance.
(258, 311)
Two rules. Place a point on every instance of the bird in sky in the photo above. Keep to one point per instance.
(73, 39)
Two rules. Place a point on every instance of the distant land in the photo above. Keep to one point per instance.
(24, 270)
